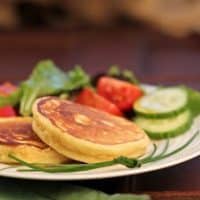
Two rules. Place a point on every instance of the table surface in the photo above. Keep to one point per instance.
(155, 58)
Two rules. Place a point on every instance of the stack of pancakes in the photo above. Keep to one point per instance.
(62, 130)
(18, 138)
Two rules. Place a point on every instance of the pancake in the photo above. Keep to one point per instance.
(86, 134)
(18, 138)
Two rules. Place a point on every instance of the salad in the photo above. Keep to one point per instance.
(162, 113)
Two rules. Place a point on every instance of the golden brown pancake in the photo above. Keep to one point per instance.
(18, 138)
(86, 134)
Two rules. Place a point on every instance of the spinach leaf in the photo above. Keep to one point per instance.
(46, 79)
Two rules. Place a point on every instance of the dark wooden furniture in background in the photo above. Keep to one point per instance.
(155, 59)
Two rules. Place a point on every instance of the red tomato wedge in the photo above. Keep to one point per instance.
(121, 93)
(6, 89)
(7, 111)
(90, 98)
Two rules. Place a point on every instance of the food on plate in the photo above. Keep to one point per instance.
(164, 102)
(161, 128)
(127, 75)
(5, 90)
(193, 101)
(86, 134)
(46, 79)
(18, 138)
(164, 112)
(7, 111)
(125, 161)
(105, 121)
(90, 98)
(122, 93)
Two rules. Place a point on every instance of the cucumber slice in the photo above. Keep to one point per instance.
(165, 128)
(162, 103)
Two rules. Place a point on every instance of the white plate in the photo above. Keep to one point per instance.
(190, 152)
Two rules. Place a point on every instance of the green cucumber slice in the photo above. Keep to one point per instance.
(165, 128)
(163, 102)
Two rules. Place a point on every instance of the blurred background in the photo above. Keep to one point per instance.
(158, 39)
(176, 17)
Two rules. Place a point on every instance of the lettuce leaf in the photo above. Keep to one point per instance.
(46, 79)
(193, 101)
(127, 75)
(12, 99)
(57, 191)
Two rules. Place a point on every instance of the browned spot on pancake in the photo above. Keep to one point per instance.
(87, 123)
(82, 119)
(18, 133)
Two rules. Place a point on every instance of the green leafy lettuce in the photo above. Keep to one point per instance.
(58, 191)
(126, 74)
(12, 99)
(46, 79)
(193, 101)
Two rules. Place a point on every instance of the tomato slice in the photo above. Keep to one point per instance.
(90, 98)
(6, 89)
(7, 111)
(121, 93)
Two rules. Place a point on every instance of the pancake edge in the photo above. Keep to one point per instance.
(80, 149)
(30, 154)
(27, 152)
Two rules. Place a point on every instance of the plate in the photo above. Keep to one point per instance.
(190, 152)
